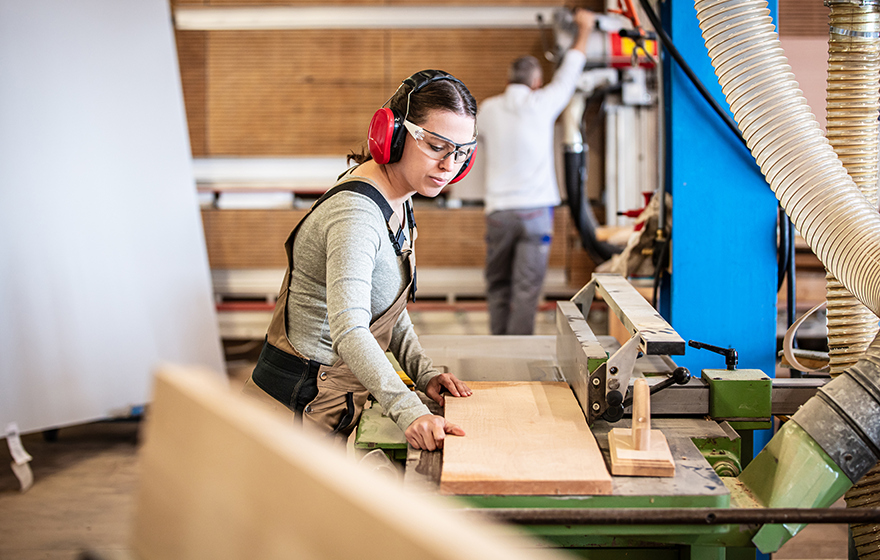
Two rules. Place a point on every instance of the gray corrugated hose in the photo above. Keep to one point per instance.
(866, 492)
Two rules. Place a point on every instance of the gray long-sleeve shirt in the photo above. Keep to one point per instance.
(346, 274)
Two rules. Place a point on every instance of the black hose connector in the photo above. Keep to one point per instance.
(581, 211)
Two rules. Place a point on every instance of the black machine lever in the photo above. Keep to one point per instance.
(680, 376)
(731, 358)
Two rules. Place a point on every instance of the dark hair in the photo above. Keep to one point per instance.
(445, 95)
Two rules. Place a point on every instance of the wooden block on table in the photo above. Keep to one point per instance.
(640, 451)
(523, 438)
(627, 460)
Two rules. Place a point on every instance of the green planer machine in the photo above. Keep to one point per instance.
(722, 502)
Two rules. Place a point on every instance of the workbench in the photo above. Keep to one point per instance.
(701, 447)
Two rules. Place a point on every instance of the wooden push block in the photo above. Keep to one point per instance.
(640, 451)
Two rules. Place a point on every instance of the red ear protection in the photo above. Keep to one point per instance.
(386, 136)
(465, 168)
(381, 134)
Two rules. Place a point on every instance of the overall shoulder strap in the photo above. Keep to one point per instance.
(356, 184)
(353, 185)
(360, 187)
(365, 187)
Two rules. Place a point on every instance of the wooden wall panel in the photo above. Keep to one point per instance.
(243, 239)
(298, 3)
(240, 239)
(192, 50)
(310, 93)
(803, 19)
(453, 238)
(457, 238)
(478, 57)
(277, 93)
(559, 248)
(307, 93)
(596, 5)
(578, 265)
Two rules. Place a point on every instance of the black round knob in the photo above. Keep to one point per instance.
(681, 375)
(614, 399)
(613, 414)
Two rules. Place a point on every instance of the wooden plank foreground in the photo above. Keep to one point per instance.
(523, 438)
(222, 478)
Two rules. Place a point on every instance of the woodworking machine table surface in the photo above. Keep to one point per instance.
(532, 358)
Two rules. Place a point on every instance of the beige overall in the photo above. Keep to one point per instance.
(341, 397)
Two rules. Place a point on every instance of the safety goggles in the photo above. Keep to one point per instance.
(438, 147)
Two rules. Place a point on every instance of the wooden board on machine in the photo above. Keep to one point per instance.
(523, 438)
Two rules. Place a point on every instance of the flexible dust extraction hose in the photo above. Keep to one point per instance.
(804, 172)
(826, 206)
(576, 160)
(579, 206)
(853, 101)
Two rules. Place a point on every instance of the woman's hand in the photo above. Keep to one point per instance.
(454, 385)
(428, 432)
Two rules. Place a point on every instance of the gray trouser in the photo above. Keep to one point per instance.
(517, 250)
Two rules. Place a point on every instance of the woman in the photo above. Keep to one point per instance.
(351, 270)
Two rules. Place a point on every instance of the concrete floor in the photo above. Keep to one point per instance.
(83, 497)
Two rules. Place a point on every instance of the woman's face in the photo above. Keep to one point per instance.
(426, 175)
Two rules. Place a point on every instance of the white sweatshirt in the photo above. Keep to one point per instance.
(516, 139)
